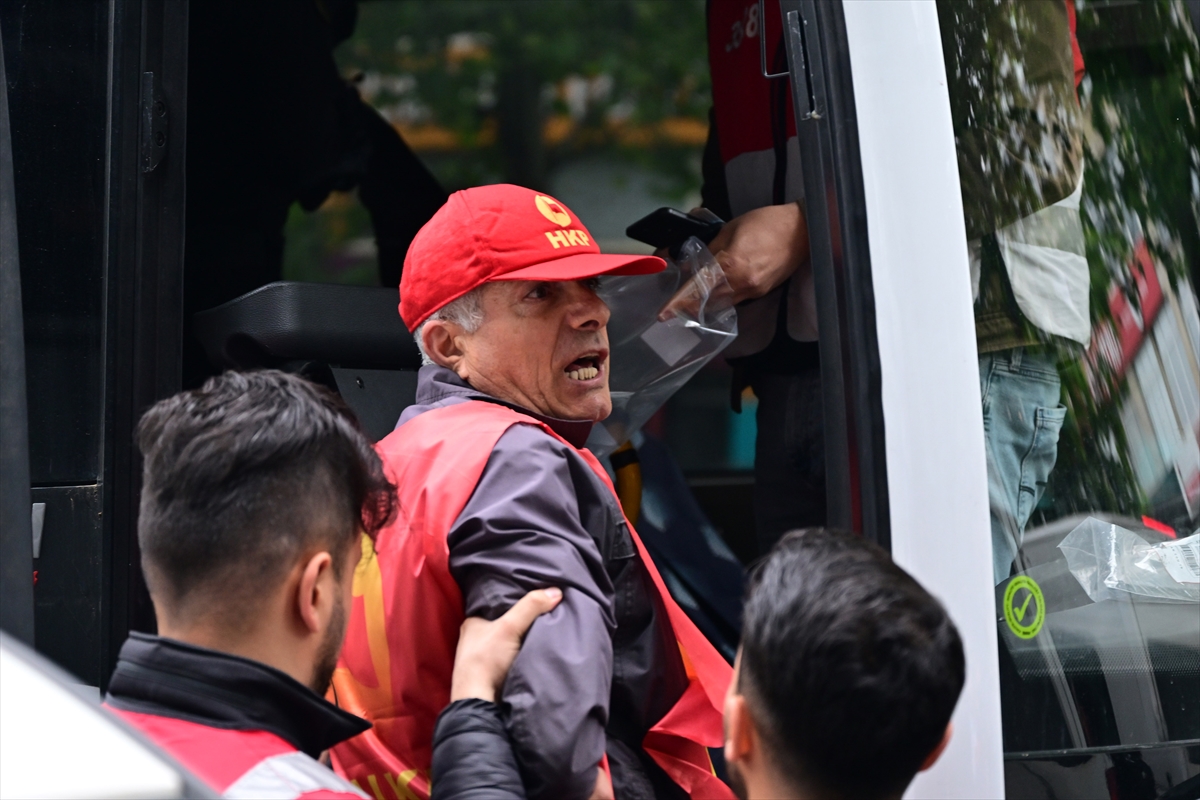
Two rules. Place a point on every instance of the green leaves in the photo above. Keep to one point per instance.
(512, 89)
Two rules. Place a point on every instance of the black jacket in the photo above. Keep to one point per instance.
(473, 756)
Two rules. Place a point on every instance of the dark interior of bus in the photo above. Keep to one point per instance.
(231, 185)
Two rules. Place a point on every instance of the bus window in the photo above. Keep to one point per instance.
(1077, 141)
(595, 104)
(59, 192)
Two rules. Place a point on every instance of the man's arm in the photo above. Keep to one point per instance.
(472, 754)
(521, 530)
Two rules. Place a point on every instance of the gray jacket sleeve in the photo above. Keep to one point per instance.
(521, 530)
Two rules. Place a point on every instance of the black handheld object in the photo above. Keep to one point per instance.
(669, 227)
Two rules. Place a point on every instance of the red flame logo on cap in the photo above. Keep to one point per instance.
(552, 211)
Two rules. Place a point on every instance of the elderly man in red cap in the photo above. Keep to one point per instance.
(615, 691)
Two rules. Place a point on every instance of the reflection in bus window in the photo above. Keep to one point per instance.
(1076, 130)
(1018, 131)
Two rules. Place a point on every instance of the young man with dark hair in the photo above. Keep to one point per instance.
(257, 492)
(846, 678)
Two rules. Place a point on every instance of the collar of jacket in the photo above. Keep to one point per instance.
(169, 678)
(436, 383)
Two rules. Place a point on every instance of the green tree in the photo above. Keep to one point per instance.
(1141, 184)
(494, 73)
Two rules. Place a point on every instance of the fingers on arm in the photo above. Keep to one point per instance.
(517, 619)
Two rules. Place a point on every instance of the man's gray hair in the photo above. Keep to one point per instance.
(466, 311)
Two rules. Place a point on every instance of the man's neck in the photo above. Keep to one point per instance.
(269, 649)
(766, 786)
(769, 786)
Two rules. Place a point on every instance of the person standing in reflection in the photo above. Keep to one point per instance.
(1012, 70)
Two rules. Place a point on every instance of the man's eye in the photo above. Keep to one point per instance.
(539, 292)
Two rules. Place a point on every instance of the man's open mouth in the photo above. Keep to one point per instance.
(585, 368)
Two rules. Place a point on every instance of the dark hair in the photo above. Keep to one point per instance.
(243, 475)
(851, 668)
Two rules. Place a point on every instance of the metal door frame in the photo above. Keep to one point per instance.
(823, 96)
(145, 188)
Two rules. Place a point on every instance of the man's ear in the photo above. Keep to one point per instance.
(315, 592)
(738, 739)
(739, 730)
(937, 751)
(441, 340)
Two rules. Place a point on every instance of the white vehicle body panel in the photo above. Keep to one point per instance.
(56, 744)
(937, 474)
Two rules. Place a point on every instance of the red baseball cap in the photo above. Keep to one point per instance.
(501, 233)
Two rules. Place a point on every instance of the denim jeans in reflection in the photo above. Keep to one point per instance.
(1022, 418)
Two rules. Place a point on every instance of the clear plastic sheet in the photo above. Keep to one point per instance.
(1110, 561)
(663, 329)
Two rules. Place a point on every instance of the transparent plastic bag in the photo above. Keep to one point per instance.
(663, 329)
(1110, 561)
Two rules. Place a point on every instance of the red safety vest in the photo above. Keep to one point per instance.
(241, 763)
(742, 98)
(396, 663)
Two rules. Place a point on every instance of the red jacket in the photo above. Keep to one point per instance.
(245, 729)
(242, 763)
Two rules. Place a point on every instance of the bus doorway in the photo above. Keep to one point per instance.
(604, 106)
(169, 159)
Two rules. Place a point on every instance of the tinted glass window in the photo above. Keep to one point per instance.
(604, 105)
(57, 64)
(1079, 162)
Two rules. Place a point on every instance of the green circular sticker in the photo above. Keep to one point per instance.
(1023, 620)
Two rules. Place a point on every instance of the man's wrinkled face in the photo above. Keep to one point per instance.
(543, 345)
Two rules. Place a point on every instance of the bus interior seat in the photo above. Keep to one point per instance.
(348, 338)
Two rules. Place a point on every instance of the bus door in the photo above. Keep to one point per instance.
(1025, 179)
(96, 109)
